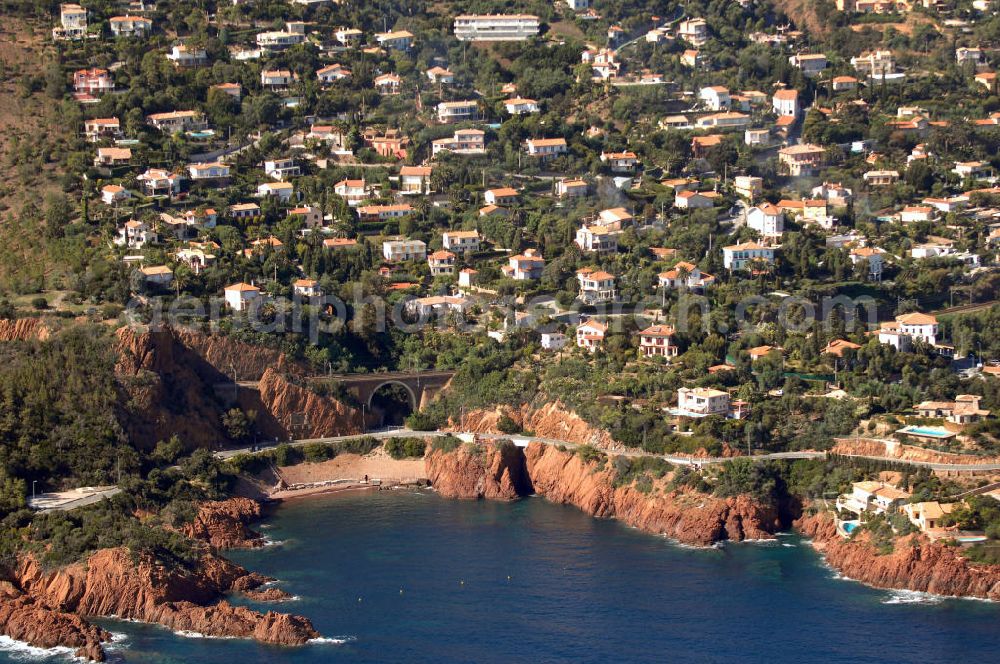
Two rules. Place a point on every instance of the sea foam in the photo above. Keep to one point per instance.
(21, 650)
(332, 640)
(912, 597)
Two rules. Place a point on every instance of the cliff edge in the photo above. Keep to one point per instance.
(687, 516)
(915, 562)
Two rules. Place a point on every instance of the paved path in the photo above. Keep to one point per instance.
(522, 441)
(69, 500)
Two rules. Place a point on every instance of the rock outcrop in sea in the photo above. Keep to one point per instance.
(223, 524)
(48, 608)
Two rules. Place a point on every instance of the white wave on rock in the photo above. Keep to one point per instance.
(332, 640)
(912, 597)
(20, 650)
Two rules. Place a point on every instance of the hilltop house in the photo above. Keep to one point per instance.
(383, 212)
(963, 410)
(113, 156)
(811, 64)
(901, 332)
(130, 26)
(501, 196)
(94, 81)
(526, 266)
(620, 162)
(388, 84)
(786, 102)
(702, 402)
(457, 111)
(657, 341)
(183, 55)
(802, 159)
(158, 182)
(440, 75)
(241, 296)
(114, 193)
(464, 141)
(520, 106)
(590, 335)
(97, 129)
(399, 40)
(571, 188)
(495, 27)
(175, 121)
(281, 168)
(694, 31)
(739, 256)
(596, 239)
(685, 275)
(332, 73)
(876, 497)
(352, 191)
(767, 219)
(135, 235)
(414, 180)
(461, 241)
(928, 515)
(545, 148)
(396, 251)
(441, 263)
(715, 98)
(596, 286)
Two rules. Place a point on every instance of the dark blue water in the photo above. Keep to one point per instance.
(407, 577)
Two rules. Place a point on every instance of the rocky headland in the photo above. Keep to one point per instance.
(50, 607)
(915, 562)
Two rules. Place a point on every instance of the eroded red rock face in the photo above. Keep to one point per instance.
(563, 477)
(914, 564)
(112, 583)
(47, 608)
(282, 401)
(550, 420)
(223, 524)
(474, 472)
(168, 380)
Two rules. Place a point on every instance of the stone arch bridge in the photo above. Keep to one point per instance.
(421, 386)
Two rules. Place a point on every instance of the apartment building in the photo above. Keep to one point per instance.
(403, 250)
(495, 27)
(457, 111)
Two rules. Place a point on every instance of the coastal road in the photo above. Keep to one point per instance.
(522, 441)
(70, 500)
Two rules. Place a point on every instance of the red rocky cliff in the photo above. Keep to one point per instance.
(282, 401)
(914, 564)
(550, 420)
(111, 583)
(223, 524)
(22, 619)
(477, 471)
(564, 477)
(689, 517)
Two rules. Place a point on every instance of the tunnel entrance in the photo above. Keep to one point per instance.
(391, 403)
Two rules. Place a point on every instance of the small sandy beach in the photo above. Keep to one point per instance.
(346, 472)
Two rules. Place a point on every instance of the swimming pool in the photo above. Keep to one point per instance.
(204, 133)
(926, 431)
(849, 527)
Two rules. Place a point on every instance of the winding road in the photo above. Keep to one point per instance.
(522, 441)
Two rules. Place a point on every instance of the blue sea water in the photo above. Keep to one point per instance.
(411, 577)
